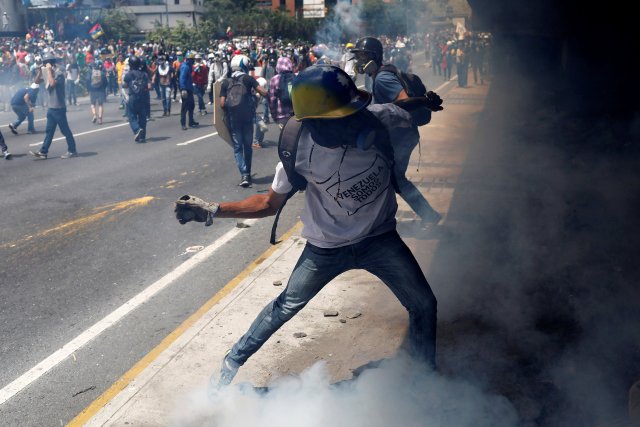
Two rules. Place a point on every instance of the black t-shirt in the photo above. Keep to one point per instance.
(249, 81)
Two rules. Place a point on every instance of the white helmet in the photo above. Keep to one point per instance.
(240, 63)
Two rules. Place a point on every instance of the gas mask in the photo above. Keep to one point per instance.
(365, 65)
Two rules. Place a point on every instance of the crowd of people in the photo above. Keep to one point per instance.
(183, 76)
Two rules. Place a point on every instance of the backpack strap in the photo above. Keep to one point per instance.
(287, 150)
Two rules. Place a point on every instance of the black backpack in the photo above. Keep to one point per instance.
(288, 149)
(412, 84)
(238, 101)
(284, 88)
(137, 85)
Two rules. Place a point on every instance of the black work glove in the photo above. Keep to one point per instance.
(191, 208)
(434, 102)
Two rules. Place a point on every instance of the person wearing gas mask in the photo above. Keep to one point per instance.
(344, 155)
(186, 92)
(164, 76)
(57, 111)
(388, 87)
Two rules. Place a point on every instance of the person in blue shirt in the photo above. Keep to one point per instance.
(22, 103)
(186, 92)
(387, 88)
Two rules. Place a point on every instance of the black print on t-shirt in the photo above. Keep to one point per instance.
(360, 189)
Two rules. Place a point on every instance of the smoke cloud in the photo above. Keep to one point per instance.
(396, 393)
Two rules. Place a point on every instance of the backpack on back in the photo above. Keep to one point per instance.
(288, 149)
(137, 86)
(284, 88)
(96, 78)
(238, 102)
(414, 87)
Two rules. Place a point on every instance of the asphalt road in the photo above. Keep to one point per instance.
(81, 237)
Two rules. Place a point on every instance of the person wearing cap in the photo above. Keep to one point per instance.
(22, 104)
(387, 87)
(200, 76)
(344, 155)
(6, 21)
(186, 92)
(57, 111)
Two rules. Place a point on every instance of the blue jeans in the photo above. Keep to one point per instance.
(137, 112)
(408, 191)
(258, 132)
(23, 113)
(165, 94)
(71, 92)
(57, 117)
(199, 92)
(385, 256)
(265, 111)
(242, 135)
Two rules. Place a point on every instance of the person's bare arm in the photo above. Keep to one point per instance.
(256, 206)
(222, 98)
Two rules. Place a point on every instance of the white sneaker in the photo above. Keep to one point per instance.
(7, 155)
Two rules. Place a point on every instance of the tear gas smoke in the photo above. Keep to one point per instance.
(396, 393)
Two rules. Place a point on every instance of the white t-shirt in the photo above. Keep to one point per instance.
(347, 199)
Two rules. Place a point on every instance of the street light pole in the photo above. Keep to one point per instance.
(166, 11)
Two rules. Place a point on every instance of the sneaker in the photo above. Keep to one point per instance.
(94, 119)
(13, 129)
(245, 181)
(209, 103)
(228, 371)
(38, 154)
(139, 135)
(7, 155)
(194, 124)
(69, 155)
(184, 128)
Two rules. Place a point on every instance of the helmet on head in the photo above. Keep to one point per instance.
(349, 46)
(326, 92)
(190, 55)
(97, 64)
(48, 58)
(134, 62)
(198, 56)
(371, 47)
(240, 63)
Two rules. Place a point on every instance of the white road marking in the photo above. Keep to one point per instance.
(197, 139)
(85, 133)
(115, 316)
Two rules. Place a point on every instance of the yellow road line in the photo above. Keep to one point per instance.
(76, 224)
(143, 363)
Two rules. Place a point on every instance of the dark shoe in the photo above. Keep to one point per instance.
(69, 155)
(139, 135)
(7, 155)
(13, 129)
(194, 124)
(245, 182)
(38, 154)
(95, 119)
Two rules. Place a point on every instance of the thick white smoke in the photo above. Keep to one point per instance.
(396, 393)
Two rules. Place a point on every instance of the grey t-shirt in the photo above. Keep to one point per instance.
(56, 93)
(351, 199)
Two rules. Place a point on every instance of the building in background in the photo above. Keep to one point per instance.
(149, 13)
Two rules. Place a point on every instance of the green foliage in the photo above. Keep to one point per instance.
(117, 24)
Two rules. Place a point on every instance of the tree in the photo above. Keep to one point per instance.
(118, 24)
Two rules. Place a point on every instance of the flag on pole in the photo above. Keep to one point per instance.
(96, 31)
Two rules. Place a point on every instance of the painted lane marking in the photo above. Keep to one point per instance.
(115, 316)
(197, 139)
(85, 133)
(182, 331)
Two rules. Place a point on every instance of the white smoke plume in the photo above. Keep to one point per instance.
(396, 393)
(344, 24)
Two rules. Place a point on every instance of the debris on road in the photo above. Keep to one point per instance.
(354, 315)
(330, 313)
(299, 335)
